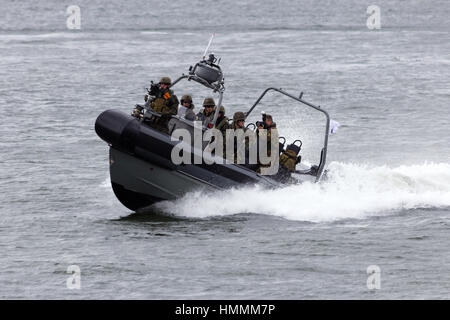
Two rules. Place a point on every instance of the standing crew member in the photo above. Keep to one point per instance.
(165, 103)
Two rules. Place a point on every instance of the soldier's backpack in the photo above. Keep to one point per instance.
(289, 158)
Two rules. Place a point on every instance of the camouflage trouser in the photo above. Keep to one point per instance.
(284, 176)
(160, 124)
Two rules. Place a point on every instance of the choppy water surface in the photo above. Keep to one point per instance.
(386, 201)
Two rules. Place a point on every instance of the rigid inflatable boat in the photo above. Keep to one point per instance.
(141, 168)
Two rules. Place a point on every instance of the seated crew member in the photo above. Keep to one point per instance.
(206, 115)
(239, 124)
(186, 108)
(288, 162)
(269, 125)
(222, 124)
(222, 121)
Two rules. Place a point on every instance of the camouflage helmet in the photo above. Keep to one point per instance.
(186, 97)
(238, 116)
(222, 109)
(165, 80)
(209, 102)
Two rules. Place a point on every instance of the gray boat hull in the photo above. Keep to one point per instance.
(137, 183)
(142, 172)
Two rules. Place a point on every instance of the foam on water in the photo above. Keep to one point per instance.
(24, 37)
(351, 191)
(106, 183)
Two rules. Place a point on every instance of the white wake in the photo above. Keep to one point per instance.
(351, 191)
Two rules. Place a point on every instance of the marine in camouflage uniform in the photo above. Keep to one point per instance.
(270, 126)
(239, 124)
(207, 114)
(239, 121)
(185, 111)
(222, 122)
(288, 161)
(186, 108)
(165, 103)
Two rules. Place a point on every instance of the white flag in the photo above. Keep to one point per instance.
(334, 126)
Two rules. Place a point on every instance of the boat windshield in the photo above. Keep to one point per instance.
(296, 119)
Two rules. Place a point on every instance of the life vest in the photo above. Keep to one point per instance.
(161, 102)
(289, 158)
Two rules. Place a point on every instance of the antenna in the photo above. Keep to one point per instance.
(209, 44)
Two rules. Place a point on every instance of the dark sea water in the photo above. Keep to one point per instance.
(386, 201)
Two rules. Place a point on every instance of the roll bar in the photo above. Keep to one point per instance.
(220, 88)
(216, 88)
(323, 154)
